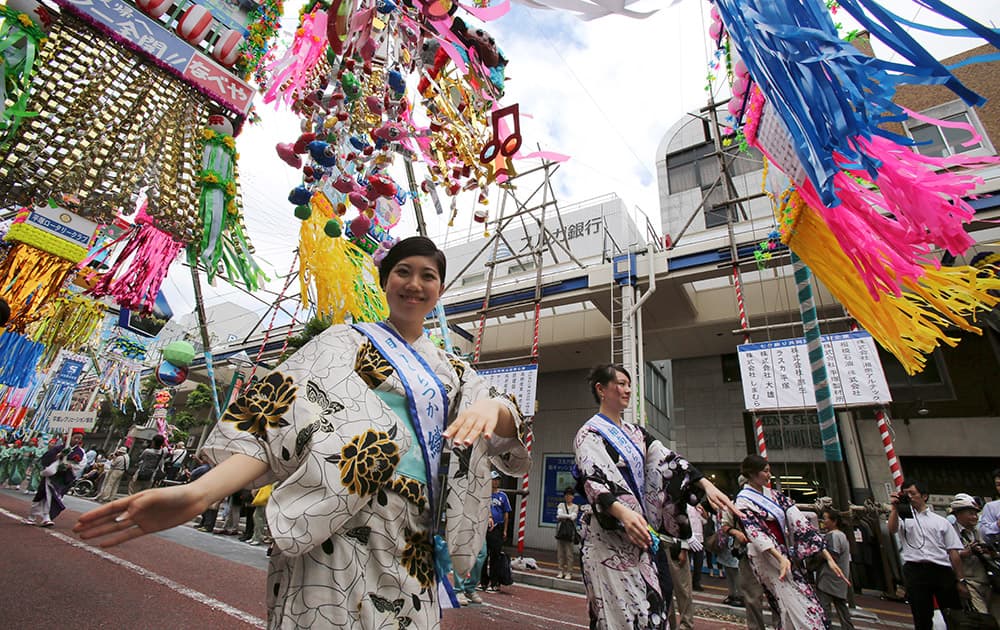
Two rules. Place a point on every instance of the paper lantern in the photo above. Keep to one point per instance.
(227, 48)
(179, 353)
(154, 8)
(194, 24)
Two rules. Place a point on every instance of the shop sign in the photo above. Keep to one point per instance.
(558, 477)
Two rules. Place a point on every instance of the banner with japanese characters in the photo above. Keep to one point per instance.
(519, 381)
(777, 375)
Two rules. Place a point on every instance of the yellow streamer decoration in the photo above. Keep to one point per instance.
(344, 277)
(69, 323)
(30, 278)
(909, 326)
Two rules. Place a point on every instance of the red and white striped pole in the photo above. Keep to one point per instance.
(758, 424)
(522, 521)
(882, 418)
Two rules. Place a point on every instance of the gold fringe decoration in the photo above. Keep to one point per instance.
(29, 279)
(344, 277)
(909, 326)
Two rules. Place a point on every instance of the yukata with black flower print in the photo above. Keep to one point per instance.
(349, 513)
(624, 590)
(793, 601)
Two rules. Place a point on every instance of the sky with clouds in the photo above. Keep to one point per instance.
(603, 92)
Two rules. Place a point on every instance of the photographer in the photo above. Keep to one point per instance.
(975, 555)
(931, 564)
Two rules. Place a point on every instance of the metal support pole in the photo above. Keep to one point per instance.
(824, 401)
(206, 342)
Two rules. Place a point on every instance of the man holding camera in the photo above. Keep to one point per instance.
(932, 567)
(975, 555)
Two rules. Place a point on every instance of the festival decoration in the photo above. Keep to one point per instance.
(23, 25)
(866, 212)
(224, 238)
(29, 278)
(18, 359)
(265, 20)
(68, 324)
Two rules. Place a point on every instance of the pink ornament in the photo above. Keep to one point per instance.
(194, 24)
(360, 225)
(154, 8)
(715, 30)
(734, 107)
(714, 12)
(740, 69)
(740, 85)
(359, 201)
(286, 152)
(227, 48)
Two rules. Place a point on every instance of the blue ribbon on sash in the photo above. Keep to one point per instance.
(427, 401)
(635, 460)
(764, 502)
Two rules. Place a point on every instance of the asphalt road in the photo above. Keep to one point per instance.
(184, 578)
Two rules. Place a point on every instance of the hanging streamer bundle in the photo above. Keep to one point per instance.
(18, 359)
(344, 277)
(69, 324)
(140, 268)
(223, 237)
(14, 405)
(21, 35)
(30, 278)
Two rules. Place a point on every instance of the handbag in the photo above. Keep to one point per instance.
(505, 575)
(968, 619)
(565, 530)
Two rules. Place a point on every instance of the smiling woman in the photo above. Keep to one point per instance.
(350, 429)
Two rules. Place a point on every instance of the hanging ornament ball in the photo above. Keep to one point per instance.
(303, 212)
(332, 228)
(179, 353)
(299, 196)
(38, 14)
(171, 375)
(220, 124)
(480, 215)
(227, 48)
(194, 24)
(360, 225)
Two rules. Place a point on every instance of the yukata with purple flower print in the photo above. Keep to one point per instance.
(623, 585)
(350, 512)
(792, 600)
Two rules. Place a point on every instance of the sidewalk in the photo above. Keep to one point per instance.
(871, 611)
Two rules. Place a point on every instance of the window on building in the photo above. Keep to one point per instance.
(473, 278)
(698, 168)
(731, 368)
(521, 267)
(934, 141)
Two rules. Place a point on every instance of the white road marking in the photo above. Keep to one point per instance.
(197, 596)
(521, 612)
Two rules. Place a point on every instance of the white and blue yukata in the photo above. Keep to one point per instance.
(350, 427)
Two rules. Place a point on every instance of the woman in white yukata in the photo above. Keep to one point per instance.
(632, 482)
(351, 429)
(778, 532)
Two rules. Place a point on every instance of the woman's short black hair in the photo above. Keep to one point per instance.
(751, 465)
(158, 441)
(602, 375)
(412, 246)
(835, 516)
(569, 490)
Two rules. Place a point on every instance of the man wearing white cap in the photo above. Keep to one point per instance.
(966, 512)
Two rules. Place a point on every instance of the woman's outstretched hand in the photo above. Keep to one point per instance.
(140, 514)
(718, 499)
(485, 418)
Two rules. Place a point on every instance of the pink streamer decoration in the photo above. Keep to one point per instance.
(488, 14)
(294, 67)
(137, 273)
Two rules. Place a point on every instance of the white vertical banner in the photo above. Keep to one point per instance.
(776, 373)
(520, 381)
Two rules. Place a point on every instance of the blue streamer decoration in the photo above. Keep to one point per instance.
(826, 92)
(19, 358)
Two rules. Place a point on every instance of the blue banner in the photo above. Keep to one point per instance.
(558, 475)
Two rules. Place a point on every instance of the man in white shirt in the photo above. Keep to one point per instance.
(989, 518)
(931, 564)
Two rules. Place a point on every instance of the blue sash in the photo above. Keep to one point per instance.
(764, 502)
(635, 460)
(428, 404)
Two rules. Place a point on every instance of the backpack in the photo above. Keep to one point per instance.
(503, 570)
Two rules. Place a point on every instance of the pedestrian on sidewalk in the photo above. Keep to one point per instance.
(697, 546)
(567, 537)
(778, 531)
(632, 483)
(260, 533)
(496, 533)
(63, 464)
(932, 568)
(975, 555)
(832, 589)
(466, 588)
(116, 470)
(150, 464)
(350, 429)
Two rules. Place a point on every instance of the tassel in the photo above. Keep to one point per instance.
(910, 325)
(18, 359)
(29, 279)
(291, 74)
(343, 277)
(69, 324)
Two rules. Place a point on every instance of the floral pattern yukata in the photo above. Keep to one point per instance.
(351, 534)
(792, 600)
(623, 587)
